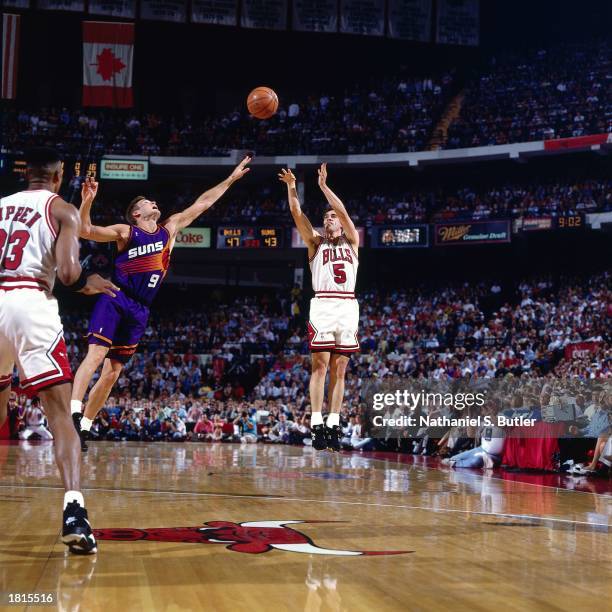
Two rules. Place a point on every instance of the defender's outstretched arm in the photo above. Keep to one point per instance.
(185, 218)
(98, 233)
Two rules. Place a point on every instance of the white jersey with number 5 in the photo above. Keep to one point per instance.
(334, 311)
(334, 268)
(27, 241)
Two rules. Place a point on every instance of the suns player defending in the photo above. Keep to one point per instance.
(334, 311)
(117, 325)
(39, 241)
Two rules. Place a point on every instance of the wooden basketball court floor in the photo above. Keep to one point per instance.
(231, 527)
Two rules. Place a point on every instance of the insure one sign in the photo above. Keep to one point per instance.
(124, 169)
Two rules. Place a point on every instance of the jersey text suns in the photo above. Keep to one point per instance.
(145, 249)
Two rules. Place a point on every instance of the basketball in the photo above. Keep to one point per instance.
(262, 102)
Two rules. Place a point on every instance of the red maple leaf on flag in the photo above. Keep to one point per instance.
(108, 64)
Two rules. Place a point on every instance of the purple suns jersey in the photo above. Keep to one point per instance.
(143, 264)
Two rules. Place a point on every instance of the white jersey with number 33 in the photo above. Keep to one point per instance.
(27, 241)
(31, 333)
(334, 268)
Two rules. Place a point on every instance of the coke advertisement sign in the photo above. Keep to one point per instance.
(193, 238)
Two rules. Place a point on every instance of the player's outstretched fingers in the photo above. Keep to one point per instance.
(111, 289)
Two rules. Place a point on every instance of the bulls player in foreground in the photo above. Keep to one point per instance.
(39, 240)
(143, 256)
(334, 311)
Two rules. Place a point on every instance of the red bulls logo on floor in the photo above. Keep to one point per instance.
(254, 537)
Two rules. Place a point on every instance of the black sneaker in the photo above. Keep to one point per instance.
(83, 435)
(76, 532)
(319, 441)
(333, 435)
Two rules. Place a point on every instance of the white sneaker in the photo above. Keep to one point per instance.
(582, 470)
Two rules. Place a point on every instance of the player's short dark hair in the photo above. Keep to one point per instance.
(40, 160)
(328, 208)
(129, 213)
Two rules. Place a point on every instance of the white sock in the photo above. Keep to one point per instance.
(333, 418)
(316, 419)
(71, 496)
(76, 406)
(86, 424)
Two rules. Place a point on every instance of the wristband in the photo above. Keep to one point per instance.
(79, 283)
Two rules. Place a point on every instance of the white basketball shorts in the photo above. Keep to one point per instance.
(31, 336)
(333, 325)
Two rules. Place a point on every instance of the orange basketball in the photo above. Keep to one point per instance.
(262, 102)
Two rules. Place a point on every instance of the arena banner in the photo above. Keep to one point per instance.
(532, 224)
(362, 17)
(125, 9)
(11, 25)
(315, 15)
(472, 232)
(264, 14)
(108, 55)
(164, 10)
(579, 350)
(458, 22)
(577, 142)
(124, 169)
(410, 19)
(218, 12)
(399, 236)
(298, 243)
(193, 238)
(61, 5)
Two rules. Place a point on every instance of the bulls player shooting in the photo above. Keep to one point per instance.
(39, 242)
(334, 311)
(143, 256)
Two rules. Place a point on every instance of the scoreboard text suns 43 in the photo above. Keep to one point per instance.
(250, 238)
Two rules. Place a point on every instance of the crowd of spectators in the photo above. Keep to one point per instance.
(191, 352)
(367, 207)
(557, 198)
(446, 333)
(557, 92)
(394, 114)
(192, 379)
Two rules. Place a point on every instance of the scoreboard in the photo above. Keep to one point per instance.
(74, 167)
(83, 168)
(571, 221)
(241, 237)
(400, 237)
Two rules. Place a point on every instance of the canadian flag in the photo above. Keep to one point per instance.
(108, 54)
(10, 53)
